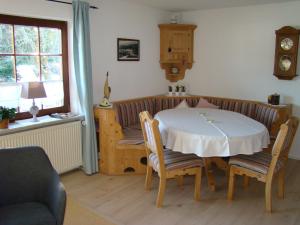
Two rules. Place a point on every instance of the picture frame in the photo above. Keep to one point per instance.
(128, 49)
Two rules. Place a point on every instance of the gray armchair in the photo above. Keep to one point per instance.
(30, 190)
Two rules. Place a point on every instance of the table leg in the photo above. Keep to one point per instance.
(209, 174)
(221, 164)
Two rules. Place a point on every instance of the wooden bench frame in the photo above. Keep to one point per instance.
(124, 159)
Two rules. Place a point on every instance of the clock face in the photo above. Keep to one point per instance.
(285, 63)
(286, 44)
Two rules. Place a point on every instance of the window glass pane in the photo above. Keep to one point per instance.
(7, 69)
(25, 104)
(26, 38)
(51, 68)
(55, 97)
(28, 68)
(55, 94)
(10, 95)
(6, 38)
(50, 39)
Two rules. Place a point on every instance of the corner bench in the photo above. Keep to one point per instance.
(121, 142)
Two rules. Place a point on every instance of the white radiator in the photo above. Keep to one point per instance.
(62, 143)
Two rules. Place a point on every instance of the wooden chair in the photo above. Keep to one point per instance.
(264, 166)
(167, 163)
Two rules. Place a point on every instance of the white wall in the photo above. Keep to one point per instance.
(234, 54)
(119, 19)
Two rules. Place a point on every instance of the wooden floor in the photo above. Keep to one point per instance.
(123, 200)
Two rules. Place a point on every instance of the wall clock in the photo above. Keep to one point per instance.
(286, 52)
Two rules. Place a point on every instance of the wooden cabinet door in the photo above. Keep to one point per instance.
(179, 46)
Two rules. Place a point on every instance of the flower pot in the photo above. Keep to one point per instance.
(4, 124)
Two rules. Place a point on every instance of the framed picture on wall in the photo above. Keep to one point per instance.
(128, 49)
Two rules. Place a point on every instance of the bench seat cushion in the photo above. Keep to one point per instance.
(258, 162)
(133, 135)
(176, 160)
(30, 213)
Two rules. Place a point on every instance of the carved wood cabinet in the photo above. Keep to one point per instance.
(176, 49)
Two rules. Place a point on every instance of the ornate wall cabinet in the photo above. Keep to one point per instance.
(286, 52)
(176, 49)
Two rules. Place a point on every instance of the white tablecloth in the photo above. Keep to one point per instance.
(211, 132)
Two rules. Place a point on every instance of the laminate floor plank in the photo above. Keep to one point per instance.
(124, 201)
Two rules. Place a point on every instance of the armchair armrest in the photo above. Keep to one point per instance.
(56, 199)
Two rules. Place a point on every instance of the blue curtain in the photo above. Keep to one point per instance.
(83, 74)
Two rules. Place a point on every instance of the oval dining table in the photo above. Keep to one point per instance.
(211, 134)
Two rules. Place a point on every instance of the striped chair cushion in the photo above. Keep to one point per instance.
(176, 160)
(132, 136)
(258, 162)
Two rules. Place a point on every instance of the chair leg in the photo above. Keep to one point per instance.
(179, 181)
(246, 181)
(268, 196)
(231, 184)
(281, 184)
(148, 181)
(161, 192)
(198, 177)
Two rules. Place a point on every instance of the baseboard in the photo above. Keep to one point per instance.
(293, 157)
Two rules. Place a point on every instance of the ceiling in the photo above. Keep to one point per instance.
(189, 5)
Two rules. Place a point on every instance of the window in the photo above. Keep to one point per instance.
(34, 50)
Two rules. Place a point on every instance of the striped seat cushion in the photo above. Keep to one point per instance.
(176, 160)
(132, 136)
(258, 162)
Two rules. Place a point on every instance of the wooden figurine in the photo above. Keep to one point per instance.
(107, 90)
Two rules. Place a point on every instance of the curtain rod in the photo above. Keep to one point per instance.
(69, 3)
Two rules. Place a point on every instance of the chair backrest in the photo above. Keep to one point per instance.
(283, 143)
(25, 175)
(293, 123)
(152, 138)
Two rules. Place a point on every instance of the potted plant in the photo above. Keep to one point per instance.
(6, 114)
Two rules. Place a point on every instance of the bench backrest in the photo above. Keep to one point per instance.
(128, 110)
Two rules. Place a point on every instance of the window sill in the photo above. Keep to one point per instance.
(44, 121)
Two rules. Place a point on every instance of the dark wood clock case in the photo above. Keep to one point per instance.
(286, 52)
